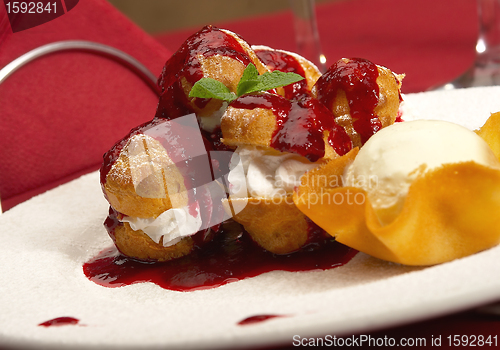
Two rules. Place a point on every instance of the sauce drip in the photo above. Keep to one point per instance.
(231, 256)
(300, 125)
(357, 78)
(207, 42)
(284, 62)
(60, 321)
(257, 319)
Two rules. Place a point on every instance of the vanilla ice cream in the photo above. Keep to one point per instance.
(395, 156)
(266, 173)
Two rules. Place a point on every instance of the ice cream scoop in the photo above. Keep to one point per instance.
(417, 193)
(393, 158)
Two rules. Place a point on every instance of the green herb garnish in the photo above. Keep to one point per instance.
(250, 82)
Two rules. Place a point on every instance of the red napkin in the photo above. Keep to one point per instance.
(61, 112)
(431, 41)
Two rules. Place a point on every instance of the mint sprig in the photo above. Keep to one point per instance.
(250, 82)
(211, 88)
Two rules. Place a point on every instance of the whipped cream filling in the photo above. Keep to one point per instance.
(173, 225)
(265, 174)
(212, 122)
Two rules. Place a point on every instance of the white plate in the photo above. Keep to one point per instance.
(46, 240)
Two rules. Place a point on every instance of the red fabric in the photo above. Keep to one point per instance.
(61, 112)
(430, 41)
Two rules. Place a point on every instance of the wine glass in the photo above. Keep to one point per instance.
(306, 32)
(485, 71)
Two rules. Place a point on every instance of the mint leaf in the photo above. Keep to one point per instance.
(248, 80)
(211, 88)
(268, 81)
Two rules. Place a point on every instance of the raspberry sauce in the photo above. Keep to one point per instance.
(231, 256)
(60, 321)
(300, 125)
(257, 319)
(185, 65)
(357, 78)
(209, 41)
(284, 62)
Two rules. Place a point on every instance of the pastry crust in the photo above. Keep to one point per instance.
(139, 245)
(144, 182)
(248, 127)
(275, 224)
(389, 96)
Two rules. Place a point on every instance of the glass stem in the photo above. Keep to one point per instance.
(485, 71)
(306, 32)
(488, 43)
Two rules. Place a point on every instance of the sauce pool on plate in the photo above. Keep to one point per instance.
(231, 256)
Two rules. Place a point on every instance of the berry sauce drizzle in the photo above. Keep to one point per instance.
(358, 79)
(231, 256)
(284, 62)
(60, 321)
(207, 42)
(185, 65)
(300, 125)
